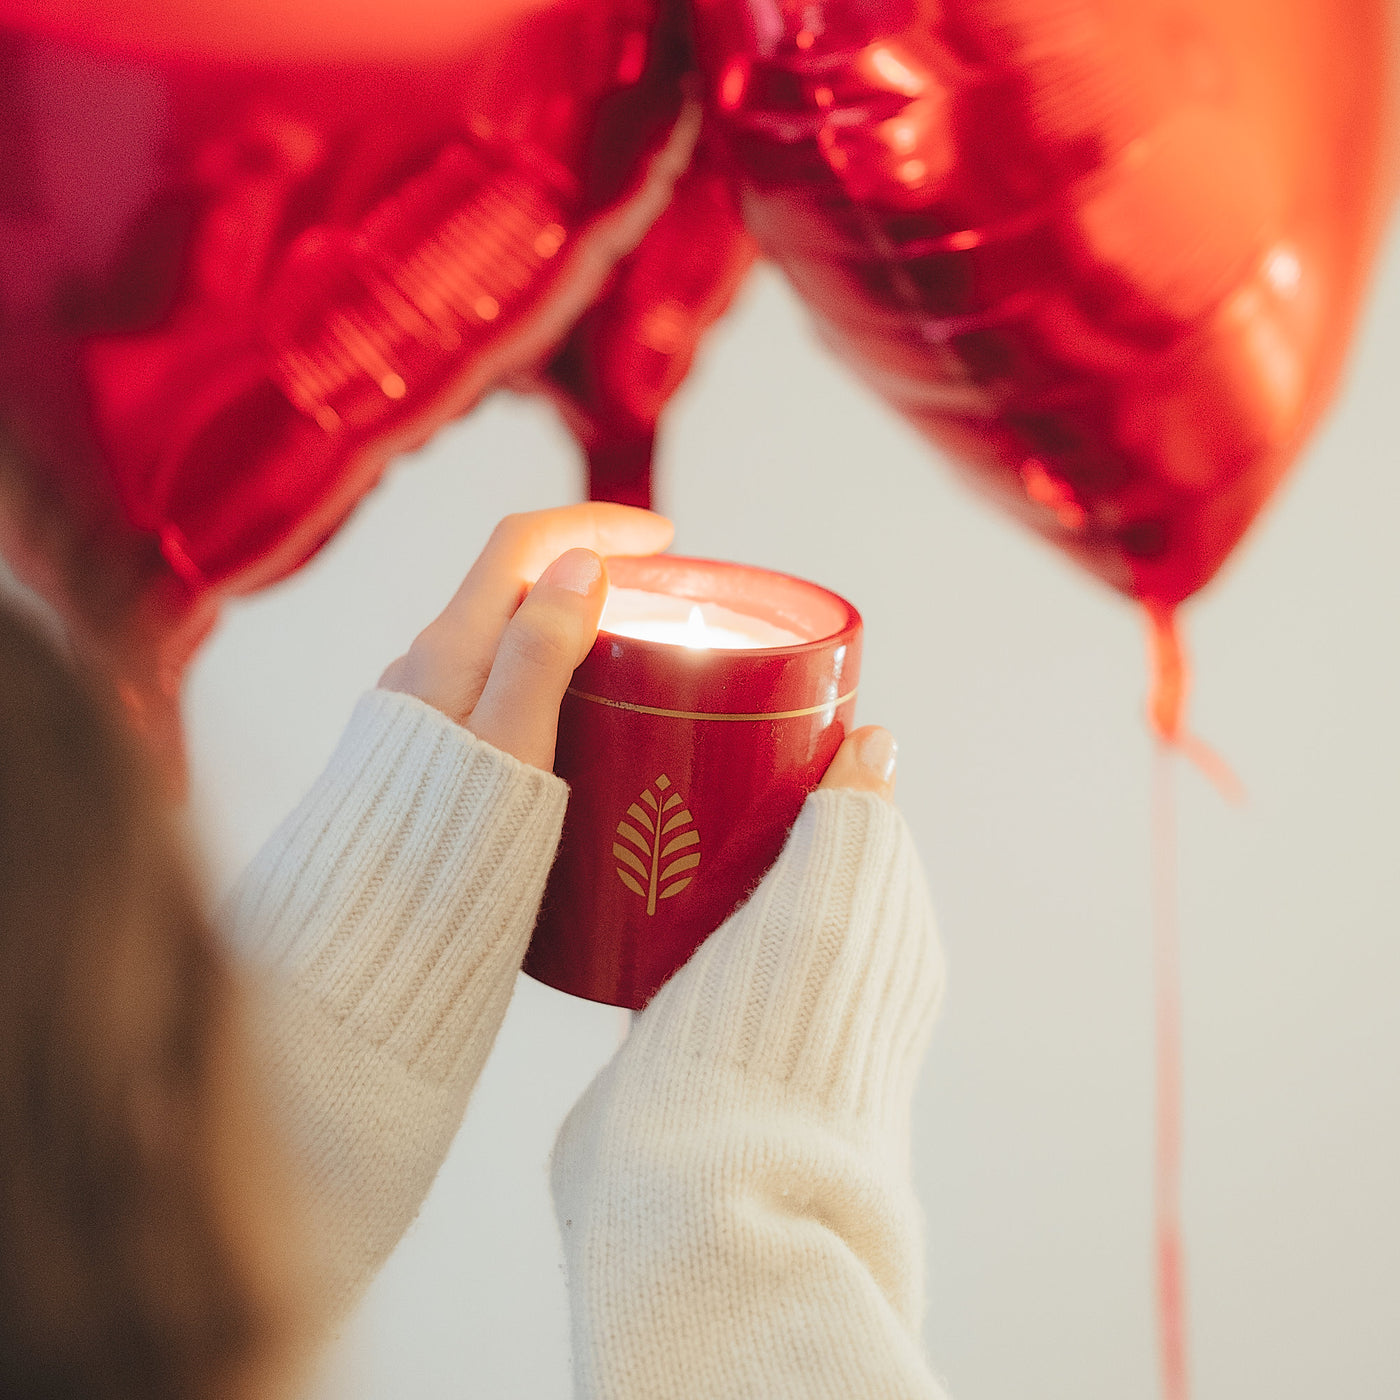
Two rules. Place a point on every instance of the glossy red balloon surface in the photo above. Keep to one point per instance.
(1106, 253)
(629, 353)
(230, 291)
(263, 30)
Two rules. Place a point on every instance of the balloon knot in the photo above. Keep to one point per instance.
(1170, 673)
(1166, 706)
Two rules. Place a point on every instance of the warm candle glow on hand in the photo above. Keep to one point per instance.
(658, 617)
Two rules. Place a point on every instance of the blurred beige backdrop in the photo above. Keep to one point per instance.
(1016, 689)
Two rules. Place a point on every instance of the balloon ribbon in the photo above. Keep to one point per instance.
(1166, 706)
(1166, 939)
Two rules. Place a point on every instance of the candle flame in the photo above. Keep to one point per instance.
(696, 633)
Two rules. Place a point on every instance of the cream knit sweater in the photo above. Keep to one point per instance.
(733, 1190)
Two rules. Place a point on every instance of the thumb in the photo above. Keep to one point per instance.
(543, 643)
(864, 762)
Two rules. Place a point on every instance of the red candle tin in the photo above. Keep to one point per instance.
(686, 770)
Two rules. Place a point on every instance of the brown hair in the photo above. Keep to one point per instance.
(137, 1244)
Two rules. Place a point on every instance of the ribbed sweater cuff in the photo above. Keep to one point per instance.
(826, 981)
(411, 871)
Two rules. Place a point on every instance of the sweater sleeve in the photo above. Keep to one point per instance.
(733, 1190)
(386, 920)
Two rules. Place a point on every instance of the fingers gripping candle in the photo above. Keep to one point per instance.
(710, 705)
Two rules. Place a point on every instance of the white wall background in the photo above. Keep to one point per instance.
(1016, 689)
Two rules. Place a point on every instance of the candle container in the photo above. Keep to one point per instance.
(687, 768)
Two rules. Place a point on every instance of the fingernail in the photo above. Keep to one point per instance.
(579, 571)
(877, 754)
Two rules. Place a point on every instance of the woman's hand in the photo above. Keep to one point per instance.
(499, 656)
(864, 762)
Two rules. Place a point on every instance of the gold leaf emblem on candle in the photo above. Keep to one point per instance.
(659, 844)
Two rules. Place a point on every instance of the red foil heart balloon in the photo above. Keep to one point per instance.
(232, 287)
(1106, 253)
(629, 353)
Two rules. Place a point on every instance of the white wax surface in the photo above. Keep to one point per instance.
(659, 617)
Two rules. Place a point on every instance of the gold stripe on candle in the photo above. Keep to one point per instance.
(696, 714)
